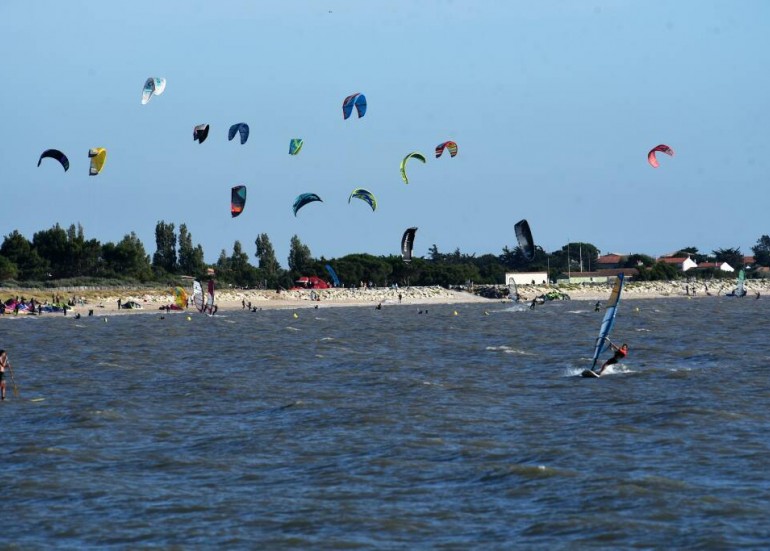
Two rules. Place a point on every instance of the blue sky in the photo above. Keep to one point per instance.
(553, 105)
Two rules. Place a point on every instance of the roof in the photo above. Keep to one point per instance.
(673, 259)
(610, 259)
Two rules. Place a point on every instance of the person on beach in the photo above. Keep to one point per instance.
(620, 353)
(3, 365)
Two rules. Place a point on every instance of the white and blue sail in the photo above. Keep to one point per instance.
(609, 319)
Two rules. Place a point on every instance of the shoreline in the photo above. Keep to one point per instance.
(105, 301)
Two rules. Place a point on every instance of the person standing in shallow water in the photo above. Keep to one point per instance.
(3, 365)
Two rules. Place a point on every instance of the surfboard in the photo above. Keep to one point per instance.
(590, 373)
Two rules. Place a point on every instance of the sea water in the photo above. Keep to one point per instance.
(453, 426)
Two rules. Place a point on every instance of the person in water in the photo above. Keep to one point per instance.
(620, 353)
(3, 365)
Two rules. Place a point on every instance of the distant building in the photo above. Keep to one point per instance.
(723, 266)
(679, 262)
(599, 276)
(526, 278)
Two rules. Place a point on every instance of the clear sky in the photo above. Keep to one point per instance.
(553, 105)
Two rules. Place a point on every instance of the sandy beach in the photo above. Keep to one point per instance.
(105, 301)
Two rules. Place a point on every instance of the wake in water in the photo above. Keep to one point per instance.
(614, 369)
(510, 350)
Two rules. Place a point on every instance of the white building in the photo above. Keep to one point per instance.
(526, 278)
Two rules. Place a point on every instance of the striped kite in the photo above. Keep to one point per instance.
(451, 146)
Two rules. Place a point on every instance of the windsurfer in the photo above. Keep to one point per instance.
(620, 353)
(3, 365)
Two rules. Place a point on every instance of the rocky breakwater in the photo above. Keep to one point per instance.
(409, 295)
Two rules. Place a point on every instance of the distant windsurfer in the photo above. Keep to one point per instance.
(3, 366)
(620, 353)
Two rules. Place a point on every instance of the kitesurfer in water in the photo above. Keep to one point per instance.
(597, 306)
(620, 353)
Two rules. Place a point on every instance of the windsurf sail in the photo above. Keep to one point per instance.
(740, 289)
(513, 290)
(609, 319)
(198, 295)
(210, 308)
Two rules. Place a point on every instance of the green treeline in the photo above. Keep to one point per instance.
(57, 254)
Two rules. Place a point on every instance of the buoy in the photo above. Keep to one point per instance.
(295, 315)
(189, 318)
(455, 312)
(105, 320)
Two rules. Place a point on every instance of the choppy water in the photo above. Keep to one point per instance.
(357, 428)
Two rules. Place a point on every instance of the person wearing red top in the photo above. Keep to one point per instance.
(620, 353)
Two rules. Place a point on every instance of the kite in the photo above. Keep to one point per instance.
(201, 132)
(524, 235)
(303, 199)
(241, 128)
(55, 154)
(358, 100)
(451, 146)
(364, 195)
(154, 86)
(237, 200)
(98, 156)
(415, 155)
(663, 148)
(407, 242)
(295, 146)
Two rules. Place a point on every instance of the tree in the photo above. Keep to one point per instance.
(638, 260)
(242, 273)
(127, 259)
(190, 258)
(268, 264)
(223, 267)
(734, 257)
(762, 251)
(300, 258)
(693, 253)
(164, 259)
(18, 250)
(8, 269)
(52, 246)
